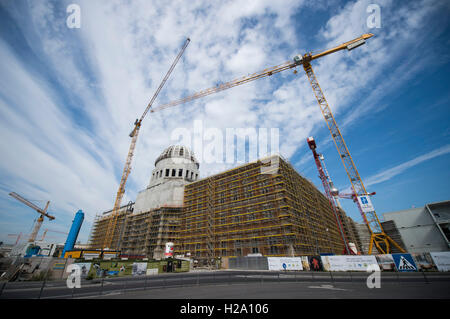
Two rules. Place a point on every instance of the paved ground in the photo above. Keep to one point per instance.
(296, 290)
(241, 285)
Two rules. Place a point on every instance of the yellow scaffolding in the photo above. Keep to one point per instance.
(244, 211)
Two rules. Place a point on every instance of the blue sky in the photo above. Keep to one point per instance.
(69, 97)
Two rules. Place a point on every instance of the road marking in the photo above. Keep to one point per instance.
(330, 287)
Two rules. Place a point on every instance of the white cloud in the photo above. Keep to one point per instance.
(387, 174)
(109, 69)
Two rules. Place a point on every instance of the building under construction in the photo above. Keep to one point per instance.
(144, 227)
(264, 207)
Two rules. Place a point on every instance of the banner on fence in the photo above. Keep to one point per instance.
(349, 263)
(284, 263)
(424, 261)
(442, 260)
(89, 255)
(139, 269)
(305, 263)
(386, 262)
(84, 267)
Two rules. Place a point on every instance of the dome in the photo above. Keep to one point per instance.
(177, 151)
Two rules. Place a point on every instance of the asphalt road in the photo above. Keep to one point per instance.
(240, 285)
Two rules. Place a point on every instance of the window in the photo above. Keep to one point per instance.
(181, 151)
(180, 172)
(196, 176)
(167, 172)
(192, 175)
(174, 172)
(187, 174)
(255, 250)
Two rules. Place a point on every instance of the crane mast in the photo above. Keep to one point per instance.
(127, 169)
(328, 192)
(377, 235)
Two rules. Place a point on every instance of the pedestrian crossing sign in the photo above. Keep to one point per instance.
(404, 262)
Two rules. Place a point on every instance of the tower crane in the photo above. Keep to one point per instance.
(50, 230)
(328, 192)
(16, 235)
(42, 212)
(377, 235)
(126, 170)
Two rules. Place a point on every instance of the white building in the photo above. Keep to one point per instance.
(424, 229)
(174, 168)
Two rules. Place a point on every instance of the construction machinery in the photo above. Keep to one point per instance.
(42, 212)
(15, 235)
(377, 236)
(127, 169)
(50, 230)
(329, 189)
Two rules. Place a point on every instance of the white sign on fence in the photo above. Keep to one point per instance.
(349, 263)
(441, 260)
(284, 263)
(139, 269)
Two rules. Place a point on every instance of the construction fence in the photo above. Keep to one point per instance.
(435, 261)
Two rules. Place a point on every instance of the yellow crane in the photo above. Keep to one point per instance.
(50, 230)
(127, 169)
(42, 212)
(15, 235)
(377, 235)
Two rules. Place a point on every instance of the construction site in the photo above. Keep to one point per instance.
(241, 211)
(250, 210)
(264, 208)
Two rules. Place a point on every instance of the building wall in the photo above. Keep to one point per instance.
(101, 224)
(168, 193)
(391, 230)
(364, 239)
(418, 230)
(146, 225)
(244, 211)
(174, 168)
(147, 233)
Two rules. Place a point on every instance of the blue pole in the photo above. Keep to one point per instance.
(73, 233)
